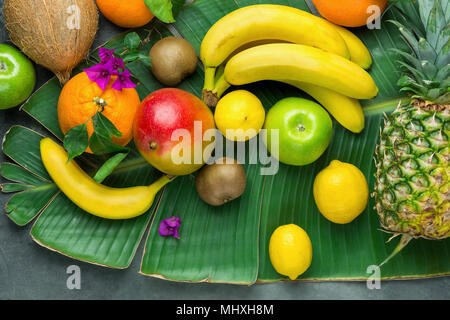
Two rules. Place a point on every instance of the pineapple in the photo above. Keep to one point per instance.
(412, 159)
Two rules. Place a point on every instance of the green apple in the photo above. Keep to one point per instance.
(304, 131)
(17, 77)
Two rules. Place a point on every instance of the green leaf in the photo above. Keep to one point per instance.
(145, 59)
(209, 248)
(165, 10)
(18, 174)
(35, 189)
(104, 127)
(132, 41)
(65, 228)
(76, 141)
(129, 57)
(138, 56)
(109, 166)
(101, 145)
(48, 94)
(24, 206)
(14, 187)
(22, 146)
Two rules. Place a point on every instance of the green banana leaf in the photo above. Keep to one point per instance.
(219, 244)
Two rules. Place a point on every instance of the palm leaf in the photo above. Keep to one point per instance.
(229, 243)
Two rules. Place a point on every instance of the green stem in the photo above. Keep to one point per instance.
(133, 164)
(211, 97)
(210, 74)
(221, 86)
(100, 103)
(404, 240)
(161, 182)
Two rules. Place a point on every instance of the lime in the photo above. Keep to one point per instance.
(17, 77)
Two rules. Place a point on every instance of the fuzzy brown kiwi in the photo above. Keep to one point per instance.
(221, 182)
(173, 59)
(54, 34)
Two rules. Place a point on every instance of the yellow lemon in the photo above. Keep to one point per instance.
(239, 115)
(341, 192)
(290, 250)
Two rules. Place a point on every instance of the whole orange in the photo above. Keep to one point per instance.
(80, 100)
(126, 13)
(349, 13)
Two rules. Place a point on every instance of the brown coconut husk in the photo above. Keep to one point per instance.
(55, 34)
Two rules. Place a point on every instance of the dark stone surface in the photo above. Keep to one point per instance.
(28, 271)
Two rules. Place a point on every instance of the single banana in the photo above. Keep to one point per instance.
(92, 197)
(347, 111)
(359, 53)
(262, 22)
(294, 62)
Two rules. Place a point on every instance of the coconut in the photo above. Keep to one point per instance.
(55, 34)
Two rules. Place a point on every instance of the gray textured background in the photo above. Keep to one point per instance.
(28, 271)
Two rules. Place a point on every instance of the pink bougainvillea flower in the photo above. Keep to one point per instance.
(170, 226)
(105, 54)
(117, 64)
(101, 73)
(123, 81)
(110, 66)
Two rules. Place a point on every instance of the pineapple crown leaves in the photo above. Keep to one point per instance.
(427, 66)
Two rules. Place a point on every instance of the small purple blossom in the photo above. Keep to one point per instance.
(170, 226)
(110, 66)
(101, 73)
(123, 81)
(117, 64)
(105, 54)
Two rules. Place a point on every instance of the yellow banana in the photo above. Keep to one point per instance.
(347, 111)
(359, 53)
(294, 62)
(261, 22)
(92, 197)
(276, 23)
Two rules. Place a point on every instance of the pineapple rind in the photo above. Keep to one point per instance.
(412, 189)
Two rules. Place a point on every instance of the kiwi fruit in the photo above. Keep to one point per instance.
(173, 59)
(221, 182)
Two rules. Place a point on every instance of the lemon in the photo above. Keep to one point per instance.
(341, 192)
(290, 250)
(239, 115)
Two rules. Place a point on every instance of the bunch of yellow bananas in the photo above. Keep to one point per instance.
(274, 42)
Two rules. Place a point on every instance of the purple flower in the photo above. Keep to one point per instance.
(105, 54)
(169, 227)
(123, 81)
(117, 64)
(101, 73)
(110, 66)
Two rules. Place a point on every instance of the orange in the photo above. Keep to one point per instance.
(126, 13)
(78, 102)
(349, 13)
